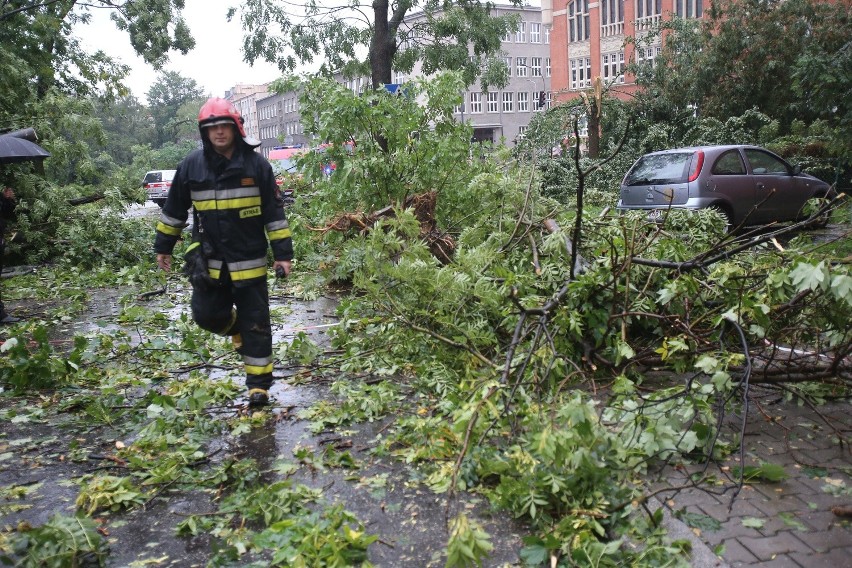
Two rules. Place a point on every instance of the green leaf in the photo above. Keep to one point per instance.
(764, 472)
(808, 277)
(753, 523)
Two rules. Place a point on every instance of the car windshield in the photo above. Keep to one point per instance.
(672, 167)
(285, 166)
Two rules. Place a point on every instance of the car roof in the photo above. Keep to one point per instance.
(285, 153)
(707, 148)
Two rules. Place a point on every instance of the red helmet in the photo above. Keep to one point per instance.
(217, 111)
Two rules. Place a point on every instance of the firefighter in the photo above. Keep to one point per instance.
(235, 214)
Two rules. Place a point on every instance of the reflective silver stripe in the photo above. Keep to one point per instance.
(206, 195)
(247, 264)
(220, 194)
(275, 225)
(211, 263)
(171, 221)
(257, 361)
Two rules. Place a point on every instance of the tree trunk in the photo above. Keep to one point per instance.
(380, 55)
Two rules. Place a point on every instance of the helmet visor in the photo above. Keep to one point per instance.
(217, 121)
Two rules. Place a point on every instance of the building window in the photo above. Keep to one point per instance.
(508, 61)
(523, 101)
(581, 73)
(508, 101)
(535, 32)
(522, 131)
(521, 66)
(546, 34)
(689, 8)
(521, 34)
(547, 67)
(612, 17)
(612, 67)
(648, 13)
(493, 102)
(578, 20)
(646, 8)
(536, 66)
(475, 103)
(647, 55)
(507, 37)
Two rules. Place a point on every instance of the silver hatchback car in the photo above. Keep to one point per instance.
(749, 185)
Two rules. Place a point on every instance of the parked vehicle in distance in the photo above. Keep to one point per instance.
(157, 184)
(286, 170)
(747, 184)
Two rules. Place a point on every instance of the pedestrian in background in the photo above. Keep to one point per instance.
(7, 213)
(236, 217)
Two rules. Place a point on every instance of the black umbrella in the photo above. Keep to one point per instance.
(14, 149)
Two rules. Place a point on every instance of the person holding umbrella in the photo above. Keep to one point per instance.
(7, 213)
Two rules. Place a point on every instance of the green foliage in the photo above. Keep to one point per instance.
(776, 57)
(107, 492)
(442, 38)
(469, 544)
(765, 471)
(359, 402)
(174, 101)
(318, 539)
(61, 542)
(31, 364)
(403, 145)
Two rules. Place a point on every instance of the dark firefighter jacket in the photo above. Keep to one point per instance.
(236, 209)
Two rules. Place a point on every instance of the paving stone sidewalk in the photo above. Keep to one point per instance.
(789, 523)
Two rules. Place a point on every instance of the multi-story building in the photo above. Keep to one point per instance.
(245, 98)
(588, 40)
(504, 113)
(280, 122)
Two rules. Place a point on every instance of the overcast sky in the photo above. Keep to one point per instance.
(216, 63)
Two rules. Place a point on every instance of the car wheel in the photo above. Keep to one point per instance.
(812, 206)
(159, 202)
(726, 214)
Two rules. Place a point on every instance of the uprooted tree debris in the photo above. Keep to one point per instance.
(440, 243)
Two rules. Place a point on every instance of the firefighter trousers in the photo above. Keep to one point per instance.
(226, 309)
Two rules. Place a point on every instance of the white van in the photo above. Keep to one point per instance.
(157, 184)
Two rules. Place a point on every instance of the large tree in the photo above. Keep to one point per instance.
(166, 98)
(789, 59)
(38, 50)
(373, 38)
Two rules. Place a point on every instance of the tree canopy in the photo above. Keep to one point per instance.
(790, 60)
(373, 38)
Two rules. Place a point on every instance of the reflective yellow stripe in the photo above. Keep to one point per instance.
(258, 369)
(168, 230)
(279, 234)
(228, 327)
(214, 273)
(248, 274)
(227, 203)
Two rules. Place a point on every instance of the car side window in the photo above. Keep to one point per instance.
(728, 164)
(763, 163)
